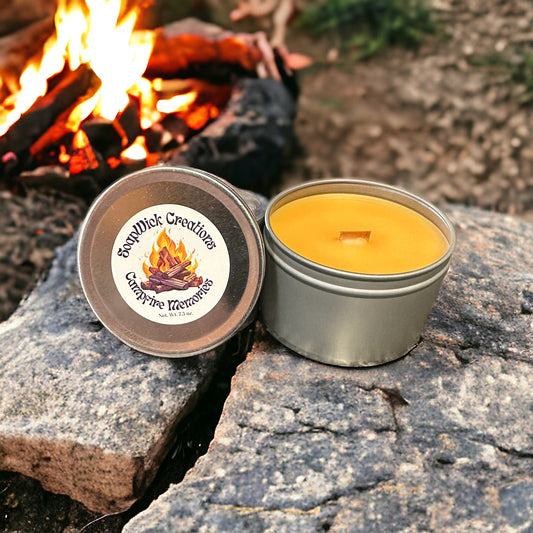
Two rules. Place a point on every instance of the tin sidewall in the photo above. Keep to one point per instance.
(345, 318)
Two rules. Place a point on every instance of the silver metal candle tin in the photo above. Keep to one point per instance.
(194, 214)
(344, 318)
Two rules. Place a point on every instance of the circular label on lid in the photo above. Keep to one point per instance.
(170, 264)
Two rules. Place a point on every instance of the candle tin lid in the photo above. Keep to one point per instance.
(171, 260)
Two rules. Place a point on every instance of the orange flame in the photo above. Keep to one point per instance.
(91, 32)
(80, 141)
(100, 34)
(177, 251)
(177, 103)
(82, 157)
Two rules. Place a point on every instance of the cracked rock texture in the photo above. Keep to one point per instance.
(440, 440)
(80, 411)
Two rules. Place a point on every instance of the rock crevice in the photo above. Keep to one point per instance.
(81, 412)
(438, 440)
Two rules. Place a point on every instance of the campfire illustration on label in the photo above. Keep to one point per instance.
(169, 267)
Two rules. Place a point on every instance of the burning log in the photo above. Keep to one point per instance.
(60, 127)
(188, 43)
(15, 14)
(17, 48)
(110, 137)
(45, 111)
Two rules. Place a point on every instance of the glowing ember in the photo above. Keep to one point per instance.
(177, 103)
(137, 150)
(198, 117)
(63, 156)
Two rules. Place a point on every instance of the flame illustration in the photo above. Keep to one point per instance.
(161, 261)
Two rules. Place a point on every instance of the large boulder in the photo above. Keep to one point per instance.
(440, 440)
(80, 411)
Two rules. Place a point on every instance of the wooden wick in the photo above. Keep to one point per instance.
(355, 236)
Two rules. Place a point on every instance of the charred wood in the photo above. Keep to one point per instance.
(57, 178)
(111, 137)
(16, 14)
(45, 111)
(60, 129)
(247, 143)
(185, 45)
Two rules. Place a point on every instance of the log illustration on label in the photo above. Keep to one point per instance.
(169, 267)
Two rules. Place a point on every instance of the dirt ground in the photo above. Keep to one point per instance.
(427, 120)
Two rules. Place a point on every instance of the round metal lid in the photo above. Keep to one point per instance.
(171, 260)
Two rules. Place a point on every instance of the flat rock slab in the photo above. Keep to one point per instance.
(440, 440)
(80, 411)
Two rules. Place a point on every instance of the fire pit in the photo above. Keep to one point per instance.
(102, 97)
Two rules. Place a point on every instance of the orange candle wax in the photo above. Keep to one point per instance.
(400, 239)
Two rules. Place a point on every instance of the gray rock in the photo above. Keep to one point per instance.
(440, 440)
(81, 412)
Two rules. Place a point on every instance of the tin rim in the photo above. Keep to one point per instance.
(238, 227)
(370, 188)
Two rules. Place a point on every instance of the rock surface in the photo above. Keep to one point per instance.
(439, 440)
(80, 411)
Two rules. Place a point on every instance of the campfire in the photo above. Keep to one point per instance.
(104, 96)
(169, 267)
